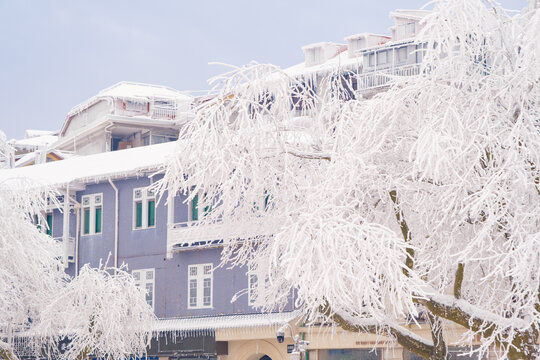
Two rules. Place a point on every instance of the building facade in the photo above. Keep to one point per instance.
(109, 213)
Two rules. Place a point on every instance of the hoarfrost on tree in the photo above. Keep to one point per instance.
(102, 312)
(424, 197)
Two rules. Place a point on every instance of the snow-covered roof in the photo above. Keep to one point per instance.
(132, 90)
(340, 60)
(409, 14)
(30, 133)
(225, 322)
(34, 142)
(96, 167)
(364, 35)
(30, 157)
(321, 44)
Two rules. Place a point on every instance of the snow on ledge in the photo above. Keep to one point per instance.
(223, 322)
(94, 168)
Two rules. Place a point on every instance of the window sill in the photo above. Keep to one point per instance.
(200, 307)
(144, 228)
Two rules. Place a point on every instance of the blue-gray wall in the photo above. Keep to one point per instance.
(146, 248)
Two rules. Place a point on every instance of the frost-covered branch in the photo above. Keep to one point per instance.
(308, 174)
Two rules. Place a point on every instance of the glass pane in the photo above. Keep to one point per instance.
(149, 275)
(381, 57)
(86, 229)
(138, 214)
(149, 294)
(136, 275)
(195, 208)
(266, 198)
(207, 269)
(49, 224)
(192, 292)
(98, 220)
(252, 288)
(151, 213)
(207, 290)
(349, 354)
(193, 270)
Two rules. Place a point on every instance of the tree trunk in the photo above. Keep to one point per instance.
(7, 354)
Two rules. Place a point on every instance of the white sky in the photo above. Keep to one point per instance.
(56, 54)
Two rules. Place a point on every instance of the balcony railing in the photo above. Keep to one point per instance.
(159, 112)
(380, 78)
(191, 235)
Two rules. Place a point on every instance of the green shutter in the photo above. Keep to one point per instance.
(49, 224)
(86, 229)
(195, 208)
(98, 220)
(138, 215)
(266, 199)
(151, 213)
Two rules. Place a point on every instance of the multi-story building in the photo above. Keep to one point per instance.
(109, 212)
(122, 116)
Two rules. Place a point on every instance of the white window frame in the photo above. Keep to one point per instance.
(94, 201)
(141, 277)
(198, 274)
(257, 287)
(143, 194)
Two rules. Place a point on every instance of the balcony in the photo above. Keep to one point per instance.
(192, 235)
(189, 235)
(161, 112)
(380, 78)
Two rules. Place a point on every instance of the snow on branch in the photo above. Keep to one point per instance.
(459, 143)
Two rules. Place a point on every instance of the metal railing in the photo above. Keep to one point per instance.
(159, 112)
(380, 78)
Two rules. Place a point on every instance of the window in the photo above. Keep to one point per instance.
(134, 105)
(49, 219)
(200, 286)
(382, 57)
(257, 283)
(339, 354)
(92, 214)
(401, 54)
(145, 278)
(372, 59)
(144, 208)
(193, 210)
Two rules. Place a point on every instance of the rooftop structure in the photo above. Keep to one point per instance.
(122, 116)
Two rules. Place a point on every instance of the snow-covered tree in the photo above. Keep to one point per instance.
(29, 267)
(101, 311)
(425, 197)
(6, 151)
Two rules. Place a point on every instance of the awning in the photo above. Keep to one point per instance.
(209, 324)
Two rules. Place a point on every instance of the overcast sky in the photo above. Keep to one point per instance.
(56, 54)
